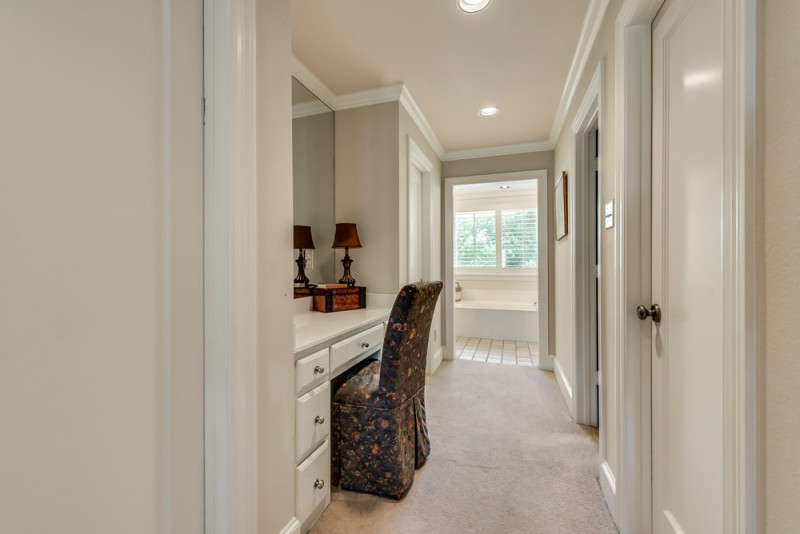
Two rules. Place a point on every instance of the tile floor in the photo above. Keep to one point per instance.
(502, 351)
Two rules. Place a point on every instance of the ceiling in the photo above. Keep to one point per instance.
(515, 55)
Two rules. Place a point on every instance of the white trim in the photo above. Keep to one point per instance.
(167, 252)
(589, 116)
(304, 75)
(505, 150)
(632, 503)
(739, 231)
(309, 109)
(591, 25)
(408, 102)
(292, 527)
(608, 477)
(229, 263)
(563, 384)
(369, 97)
(545, 360)
(437, 359)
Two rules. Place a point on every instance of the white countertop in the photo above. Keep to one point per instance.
(316, 329)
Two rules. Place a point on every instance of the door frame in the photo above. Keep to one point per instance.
(584, 403)
(229, 79)
(633, 66)
(419, 161)
(543, 236)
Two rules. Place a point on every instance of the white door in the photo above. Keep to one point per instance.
(415, 269)
(687, 267)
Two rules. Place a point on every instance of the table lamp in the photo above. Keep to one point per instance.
(303, 242)
(346, 237)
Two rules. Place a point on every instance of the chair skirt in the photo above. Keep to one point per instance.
(376, 450)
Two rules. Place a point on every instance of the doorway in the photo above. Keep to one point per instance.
(496, 251)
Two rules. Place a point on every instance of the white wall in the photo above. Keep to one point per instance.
(274, 270)
(779, 269)
(101, 373)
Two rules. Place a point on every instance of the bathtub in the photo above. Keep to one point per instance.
(498, 314)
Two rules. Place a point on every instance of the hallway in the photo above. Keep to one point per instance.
(506, 458)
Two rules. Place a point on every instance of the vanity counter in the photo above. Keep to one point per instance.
(314, 330)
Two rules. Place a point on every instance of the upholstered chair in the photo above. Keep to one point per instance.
(378, 429)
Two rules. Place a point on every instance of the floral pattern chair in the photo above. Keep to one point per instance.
(379, 434)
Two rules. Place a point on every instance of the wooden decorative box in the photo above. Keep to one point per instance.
(339, 298)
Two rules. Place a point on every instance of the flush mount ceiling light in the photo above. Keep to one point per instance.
(505, 187)
(472, 6)
(488, 112)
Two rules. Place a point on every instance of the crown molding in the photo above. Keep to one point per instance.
(591, 25)
(506, 150)
(308, 109)
(410, 105)
(370, 97)
(312, 83)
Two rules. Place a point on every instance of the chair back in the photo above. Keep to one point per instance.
(405, 345)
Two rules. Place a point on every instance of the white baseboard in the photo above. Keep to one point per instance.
(437, 359)
(292, 527)
(565, 387)
(608, 485)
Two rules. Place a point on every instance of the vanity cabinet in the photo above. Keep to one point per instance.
(326, 345)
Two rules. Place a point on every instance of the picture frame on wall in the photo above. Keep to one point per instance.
(560, 197)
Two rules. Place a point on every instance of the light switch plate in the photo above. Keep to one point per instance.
(609, 208)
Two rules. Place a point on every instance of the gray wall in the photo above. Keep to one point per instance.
(515, 163)
(367, 192)
(779, 268)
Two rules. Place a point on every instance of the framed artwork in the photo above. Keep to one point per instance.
(560, 196)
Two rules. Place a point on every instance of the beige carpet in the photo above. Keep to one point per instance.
(506, 458)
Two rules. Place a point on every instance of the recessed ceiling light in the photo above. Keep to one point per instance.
(472, 6)
(488, 112)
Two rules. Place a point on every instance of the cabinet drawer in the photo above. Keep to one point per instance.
(311, 371)
(312, 479)
(312, 419)
(366, 341)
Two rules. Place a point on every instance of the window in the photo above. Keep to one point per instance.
(477, 246)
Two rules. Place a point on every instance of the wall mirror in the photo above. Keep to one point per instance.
(314, 179)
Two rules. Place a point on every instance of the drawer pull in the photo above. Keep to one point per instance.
(319, 483)
(318, 369)
(319, 419)
(364, 345)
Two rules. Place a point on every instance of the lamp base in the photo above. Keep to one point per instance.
(301, 277)
(347, 277)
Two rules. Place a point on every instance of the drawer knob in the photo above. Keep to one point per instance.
(318, 369)
(364, 345)
(319, 483)
(319, 419)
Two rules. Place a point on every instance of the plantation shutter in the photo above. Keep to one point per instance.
(519, 238)
(475, 240)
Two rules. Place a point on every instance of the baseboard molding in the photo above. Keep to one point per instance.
(608, 485)
(292, 527)
(437, 359)
(565, 387)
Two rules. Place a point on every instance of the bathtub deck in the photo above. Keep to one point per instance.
(502, 351)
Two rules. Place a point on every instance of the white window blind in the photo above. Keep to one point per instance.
(478, 247)
(519, 238)
(476, 241)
